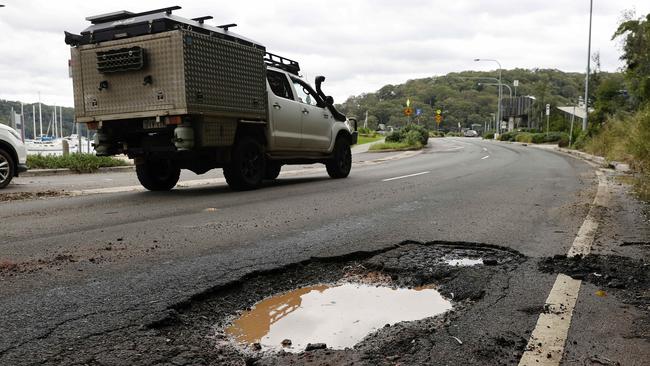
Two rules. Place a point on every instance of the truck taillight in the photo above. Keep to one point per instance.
(173, 120)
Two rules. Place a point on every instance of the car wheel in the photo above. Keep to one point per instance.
(341, 163)
(7, 167)
(158, 174)
(248, 165)
(272, 170)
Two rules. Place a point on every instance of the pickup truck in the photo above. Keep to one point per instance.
(174, 93)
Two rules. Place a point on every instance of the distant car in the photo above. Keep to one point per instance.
(13, 155)
(471, 133)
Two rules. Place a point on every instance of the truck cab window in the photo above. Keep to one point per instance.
(305, 95)
(279, 84)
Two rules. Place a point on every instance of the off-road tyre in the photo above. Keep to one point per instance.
(272, 170)
(341, 162)
(7, 168)
(158, 174)
(248, 165)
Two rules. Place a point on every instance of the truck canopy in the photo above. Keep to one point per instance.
(125, 24)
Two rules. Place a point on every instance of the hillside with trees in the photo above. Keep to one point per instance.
(46, 112)
(465, 98)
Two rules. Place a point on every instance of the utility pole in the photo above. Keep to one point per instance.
(498, 122)
(573, 117)
(584, 121)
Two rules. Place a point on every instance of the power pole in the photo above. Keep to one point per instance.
(584, 121)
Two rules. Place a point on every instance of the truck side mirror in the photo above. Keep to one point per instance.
(329, 100)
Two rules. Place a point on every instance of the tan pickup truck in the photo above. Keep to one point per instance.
(174, 93)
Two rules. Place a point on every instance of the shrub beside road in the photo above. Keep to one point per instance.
(411, 137)
(82, 163)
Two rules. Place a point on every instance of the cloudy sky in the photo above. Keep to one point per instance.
(360, 45)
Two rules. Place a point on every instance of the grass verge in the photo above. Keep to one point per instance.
(395, 146)
(368, 139)
(627, 138)
(82, 163)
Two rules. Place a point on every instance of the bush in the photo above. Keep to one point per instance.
(410, 134)
(367, 131)
(538, 138)
(82, 163)
(395, 136)
(413, 137)
(454, 134)
(508, 136)
(524, 137)
(422, 133)
(489, 135)
(436, 134)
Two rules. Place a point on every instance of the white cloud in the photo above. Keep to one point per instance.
(359, 45)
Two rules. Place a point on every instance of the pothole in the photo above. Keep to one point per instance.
(333, 316)
(464, 262)
(362, 306)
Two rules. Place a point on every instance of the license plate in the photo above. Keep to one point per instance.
(152, 124)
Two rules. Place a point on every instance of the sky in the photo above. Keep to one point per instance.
(359, 45)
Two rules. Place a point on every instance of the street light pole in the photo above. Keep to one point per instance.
(498, 122)
(584, 121)
(495, 84)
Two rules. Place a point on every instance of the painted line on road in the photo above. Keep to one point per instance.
(405, 176)
(212, 181)
(546, 344)
(485, 157)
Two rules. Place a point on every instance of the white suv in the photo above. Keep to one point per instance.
(13, 155)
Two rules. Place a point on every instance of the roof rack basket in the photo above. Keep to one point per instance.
(283, 63)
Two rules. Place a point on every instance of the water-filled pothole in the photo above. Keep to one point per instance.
(463, 262)
(336, 315)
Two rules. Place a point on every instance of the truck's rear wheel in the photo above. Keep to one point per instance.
(158, 174)
(341, 163)
(6, 168)
(272, 170)
(248, 165)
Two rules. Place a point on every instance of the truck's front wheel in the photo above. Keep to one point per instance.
(341, 162)
(248, 165)
(158, 174)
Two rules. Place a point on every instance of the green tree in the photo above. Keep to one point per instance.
(636, 54)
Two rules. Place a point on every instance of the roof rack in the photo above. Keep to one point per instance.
(121, 15)
(201, 20)
(283, 63)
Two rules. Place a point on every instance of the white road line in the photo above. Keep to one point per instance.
(485, 157)
(405, 176)
(485, 149)
(546, 344)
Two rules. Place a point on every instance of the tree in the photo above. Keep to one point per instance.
(636, 54)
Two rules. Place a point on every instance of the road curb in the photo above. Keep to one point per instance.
(55, 172)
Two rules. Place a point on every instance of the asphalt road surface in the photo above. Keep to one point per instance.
(86, 270)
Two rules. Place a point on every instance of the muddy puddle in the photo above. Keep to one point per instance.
(343, 304)
(464, 262)
(336, 316)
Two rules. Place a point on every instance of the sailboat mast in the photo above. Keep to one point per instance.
(40, 114)
(34, 121)
(55, 130)
(61, 119)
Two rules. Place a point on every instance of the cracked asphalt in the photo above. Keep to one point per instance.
(99, 279)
